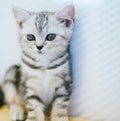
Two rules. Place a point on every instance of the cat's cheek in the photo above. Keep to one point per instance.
(35, 50)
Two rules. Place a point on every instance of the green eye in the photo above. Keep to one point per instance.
(30, 37)
(50, 37)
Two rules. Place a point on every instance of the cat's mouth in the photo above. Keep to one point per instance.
(40, 52)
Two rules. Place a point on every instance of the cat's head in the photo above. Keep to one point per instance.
(45, 32)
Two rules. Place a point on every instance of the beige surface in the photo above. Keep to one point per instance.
(4, 115)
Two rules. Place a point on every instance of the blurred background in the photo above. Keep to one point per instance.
(95, 53)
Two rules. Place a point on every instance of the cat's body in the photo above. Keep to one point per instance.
(43, 79)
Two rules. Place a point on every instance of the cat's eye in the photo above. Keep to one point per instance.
(50, 37)
(30, 37)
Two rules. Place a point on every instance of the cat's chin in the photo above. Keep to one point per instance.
(39, 52)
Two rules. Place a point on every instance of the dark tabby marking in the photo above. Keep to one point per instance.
(28, 56)
(59, 57)
(63, 106)
(17, 76)
(1, 97)
(60, 96)
(41, 21)
(59, 64)
(68, 87)
(30, 65)
(36, 98)
(66, 99)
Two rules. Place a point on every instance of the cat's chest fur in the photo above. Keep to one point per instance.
(44, 81)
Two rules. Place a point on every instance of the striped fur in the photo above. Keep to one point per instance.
(43, 79)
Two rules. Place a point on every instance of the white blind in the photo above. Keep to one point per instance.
(95, 49)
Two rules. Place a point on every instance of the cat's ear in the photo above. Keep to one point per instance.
(66, 14)
(21, 15)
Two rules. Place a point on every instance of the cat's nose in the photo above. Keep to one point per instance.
(39, 47)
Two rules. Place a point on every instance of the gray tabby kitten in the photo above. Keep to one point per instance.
(42, 81)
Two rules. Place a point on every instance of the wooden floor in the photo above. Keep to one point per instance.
(4, 115)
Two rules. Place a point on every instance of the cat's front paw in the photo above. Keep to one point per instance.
(60, 119)
(29, 120)
(17, 112)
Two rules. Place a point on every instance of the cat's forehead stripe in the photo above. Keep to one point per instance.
(41, 21)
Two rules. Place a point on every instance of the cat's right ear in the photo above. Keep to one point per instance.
(66, 14)
(21, 15)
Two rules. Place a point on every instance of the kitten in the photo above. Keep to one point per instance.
(42, 82)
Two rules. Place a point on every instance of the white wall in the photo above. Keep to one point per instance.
(96, 60)
(95, 50)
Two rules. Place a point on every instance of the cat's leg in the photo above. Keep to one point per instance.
(35, 108)
(17, 112)
(9, 88)
(34, 104)
(59, 110)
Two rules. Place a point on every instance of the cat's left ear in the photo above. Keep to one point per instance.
(67, 14)
(21, 15)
